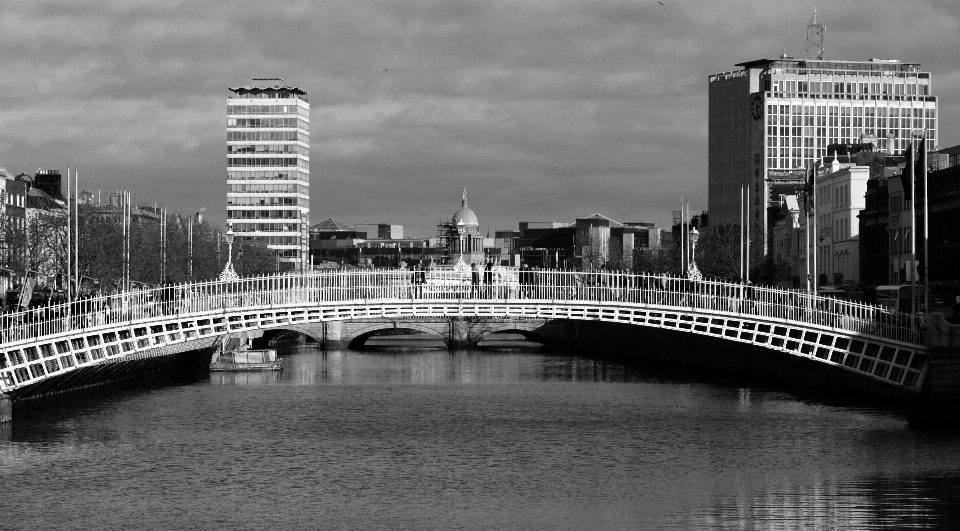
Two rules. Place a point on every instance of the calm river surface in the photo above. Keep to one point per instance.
(421, 438)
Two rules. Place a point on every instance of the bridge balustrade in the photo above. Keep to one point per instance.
(510, 284)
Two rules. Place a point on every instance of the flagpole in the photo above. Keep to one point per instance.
(69, 241)
(687, 247)
(742, 205)
(190, 248)
(681, 233)
(163, 248)
(129, 233)
(126, 240)
(926, 230)
(76, 229)
(806, 241)
(69, 254)
(816, 250)
(747, 228)
(913, 244)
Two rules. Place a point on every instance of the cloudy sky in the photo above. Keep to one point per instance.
(544, 110)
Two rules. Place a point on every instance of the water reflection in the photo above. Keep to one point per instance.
(244, 377)
(878, 502)
(506, 439)
(305, 366)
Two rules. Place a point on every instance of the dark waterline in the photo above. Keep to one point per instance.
(415, 437)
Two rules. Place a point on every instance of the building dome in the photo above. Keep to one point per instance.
(465, 214)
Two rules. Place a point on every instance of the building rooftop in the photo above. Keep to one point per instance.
(612, 222)
(275, 91)
(889, 65)
(332, 225)
(37, 198)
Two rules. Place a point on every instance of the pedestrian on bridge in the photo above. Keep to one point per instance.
(488, 278)
(524, 278)
(474, 280)
(167, 296)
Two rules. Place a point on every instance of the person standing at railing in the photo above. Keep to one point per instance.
(661, 285)
(412, 290)
(421, 279)
(474, 280)
(167, 297)
(415, 288)
(524, 280)
(488, 279)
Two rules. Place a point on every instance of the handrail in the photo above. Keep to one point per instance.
(506, 284)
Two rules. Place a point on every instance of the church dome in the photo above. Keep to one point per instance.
(465, 214)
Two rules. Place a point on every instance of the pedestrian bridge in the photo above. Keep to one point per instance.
(49, 349)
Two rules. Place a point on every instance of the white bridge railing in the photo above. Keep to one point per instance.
(507, 284)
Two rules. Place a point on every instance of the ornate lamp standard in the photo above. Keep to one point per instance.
(228, 272)
(692, 272)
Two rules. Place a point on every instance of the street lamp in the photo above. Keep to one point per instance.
(692, 272)
(460, 231)
(228, 272)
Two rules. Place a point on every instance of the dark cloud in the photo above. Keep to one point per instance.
(544, 110)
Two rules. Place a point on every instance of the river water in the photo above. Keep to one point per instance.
(504, 438)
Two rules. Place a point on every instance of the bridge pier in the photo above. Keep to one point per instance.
(333, 335)
(938, 406)
(6, 409)
(458, 334)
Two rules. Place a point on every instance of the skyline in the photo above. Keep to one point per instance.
(545, 111)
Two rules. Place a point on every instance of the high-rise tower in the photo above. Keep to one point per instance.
(268, 168)
(775, 117)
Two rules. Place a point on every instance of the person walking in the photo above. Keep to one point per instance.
(524, 278)
(414, 280)
(474, 280)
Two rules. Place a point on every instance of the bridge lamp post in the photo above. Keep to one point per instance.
(228, 271)
(692, 272)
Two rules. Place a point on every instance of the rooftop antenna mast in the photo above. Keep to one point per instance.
(815, 31)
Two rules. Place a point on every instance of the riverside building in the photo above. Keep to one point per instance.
(268, 169)
(776, 117)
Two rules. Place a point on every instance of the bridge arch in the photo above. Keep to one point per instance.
(274, 332)
(527, 330)
(359, 337)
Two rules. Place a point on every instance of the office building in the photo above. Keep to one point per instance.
(773, 118)
(268, 168)
(885, 223)
(380, 231)
(840, 199)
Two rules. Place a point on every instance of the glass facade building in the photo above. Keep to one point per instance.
(268, 170)
(777, 117)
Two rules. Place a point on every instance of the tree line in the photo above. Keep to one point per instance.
(40, 248)
(718, 255)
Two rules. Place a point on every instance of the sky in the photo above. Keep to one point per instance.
(543, 110)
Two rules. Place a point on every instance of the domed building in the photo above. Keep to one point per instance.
(465, 236)
(466, 217)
